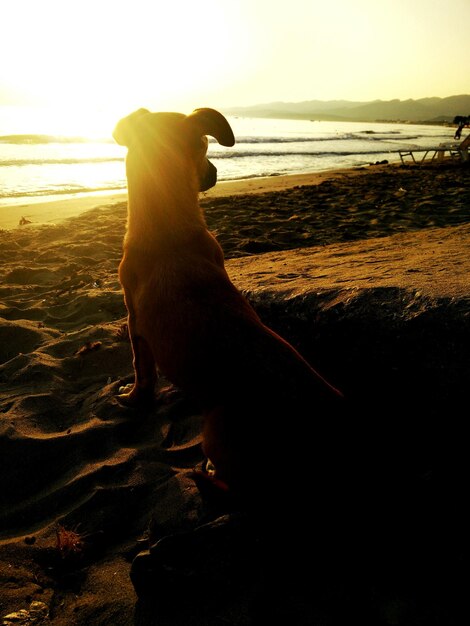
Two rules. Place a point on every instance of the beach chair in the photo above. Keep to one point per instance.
(456, 150)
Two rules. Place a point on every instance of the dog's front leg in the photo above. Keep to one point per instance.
(143, 389)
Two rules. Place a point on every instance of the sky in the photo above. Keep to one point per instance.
(116, 55)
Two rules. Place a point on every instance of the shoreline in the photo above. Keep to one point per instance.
(50, 212)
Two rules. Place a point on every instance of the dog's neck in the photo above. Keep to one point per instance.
(162, 213)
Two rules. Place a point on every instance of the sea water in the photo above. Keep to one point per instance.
(41, 163)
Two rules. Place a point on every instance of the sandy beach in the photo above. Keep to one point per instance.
(88, 484)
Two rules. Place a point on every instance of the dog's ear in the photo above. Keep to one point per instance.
(211, 122)
(124, 131)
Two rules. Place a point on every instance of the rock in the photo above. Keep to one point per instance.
(386, 320)
(37, 615)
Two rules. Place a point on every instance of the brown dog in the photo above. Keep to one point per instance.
(258, 396)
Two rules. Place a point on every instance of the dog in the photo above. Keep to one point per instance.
(260, 399)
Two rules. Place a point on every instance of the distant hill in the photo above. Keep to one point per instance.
(424, 110)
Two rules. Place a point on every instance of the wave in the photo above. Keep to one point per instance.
(239, 154)
(45, 139)
(64, 161)
(48, 139)
(363, 136)
(357, 136)
(295, 153)
(62, 191)
(282, 140)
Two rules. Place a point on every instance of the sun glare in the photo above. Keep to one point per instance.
(58, 121)
(115, 55)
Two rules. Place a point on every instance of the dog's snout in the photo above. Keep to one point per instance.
(209, 178)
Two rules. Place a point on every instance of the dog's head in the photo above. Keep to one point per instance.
(156, 139)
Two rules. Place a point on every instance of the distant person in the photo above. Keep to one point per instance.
(458, 132)
(462, 122)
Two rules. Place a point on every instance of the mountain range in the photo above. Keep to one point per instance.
(425, 110)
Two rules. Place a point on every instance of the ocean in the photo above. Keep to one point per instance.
(40, 163)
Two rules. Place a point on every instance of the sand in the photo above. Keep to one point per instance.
(87, 483)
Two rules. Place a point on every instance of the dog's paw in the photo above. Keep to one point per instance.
(207, 482)
(125, 390)
(132, 396)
